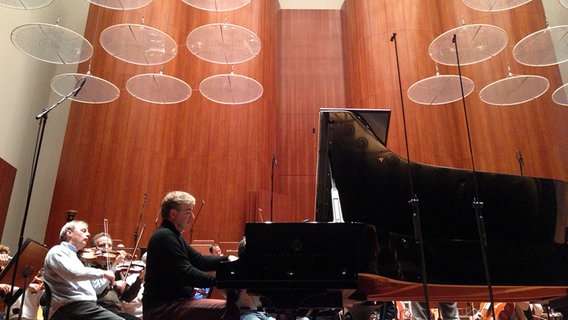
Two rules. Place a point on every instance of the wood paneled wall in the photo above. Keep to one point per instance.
(311, 78)
(438, 134)
(116, 153)
(7, 178)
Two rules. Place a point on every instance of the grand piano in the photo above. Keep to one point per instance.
(364, 188)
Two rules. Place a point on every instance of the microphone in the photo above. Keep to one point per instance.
(195, 221)
(80, 86)
(521, 161)
(157, 218)
(520, 157)
(393, 36)
(274, 162)
(454, 38)
(260, 214)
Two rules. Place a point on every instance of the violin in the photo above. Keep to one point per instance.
(134, 266)
(101, 256)
(91, 254)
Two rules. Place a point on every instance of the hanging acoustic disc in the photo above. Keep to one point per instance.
(121, 4)
(564, 3)
(158, 88)
(217, 5)
(474, 42)
(438, 89)
(546, 47)
(95, 90)
(560, 95)
(230, 89)
(138, 44)
(514, 90)
(494, 5)
(52, 43)
(223, 43)
(25, 4)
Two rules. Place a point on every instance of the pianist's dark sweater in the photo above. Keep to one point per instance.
(173, 268)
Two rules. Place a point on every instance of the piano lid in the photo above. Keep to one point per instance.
(526, 218)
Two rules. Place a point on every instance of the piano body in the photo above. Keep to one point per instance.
(363, 236)
(301, 265)
(526, 218)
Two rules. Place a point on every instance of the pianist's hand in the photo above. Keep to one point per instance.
(233, 258)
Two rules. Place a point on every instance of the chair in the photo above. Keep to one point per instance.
(202, 242)
(45, 301)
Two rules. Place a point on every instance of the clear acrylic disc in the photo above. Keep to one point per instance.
(95, 90)
(158, 88)
(440, 89)
(217, 5)
(546, 47)
(560, 95)
(494, 5)
(52, 43)
(223, 43)
(514, 90)
(474, 43)
(230, 89)
(138, 44)
(25, 4)
(121, 4)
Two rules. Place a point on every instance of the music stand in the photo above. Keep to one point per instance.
(30, 260)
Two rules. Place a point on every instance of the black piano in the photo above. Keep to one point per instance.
(301, 265)
(361, 183)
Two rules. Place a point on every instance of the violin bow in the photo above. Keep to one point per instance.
(105, 226)
(140, 218)
(134, 252)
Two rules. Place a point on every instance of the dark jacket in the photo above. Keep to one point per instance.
(173, 268)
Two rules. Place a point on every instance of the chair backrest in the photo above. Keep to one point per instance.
(45, 301)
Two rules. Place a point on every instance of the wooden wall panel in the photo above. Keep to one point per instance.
(7, 178)
(438, 135)
(311, 78)
(116, 153)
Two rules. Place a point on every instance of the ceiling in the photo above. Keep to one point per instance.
(311, 4)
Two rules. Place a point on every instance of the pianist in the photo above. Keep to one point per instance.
(173, 268)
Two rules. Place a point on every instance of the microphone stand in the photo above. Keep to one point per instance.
(42, 117)
(477, 204)
(195, 221)
(272, 187)
(139, 219)
(414, 201)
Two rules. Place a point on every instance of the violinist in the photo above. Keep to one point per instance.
(74, 286)
(134, 307)
(112, 296)
(28, 309)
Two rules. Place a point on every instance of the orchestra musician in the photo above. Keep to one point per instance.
(107, 259)
(29, 308)
(134, 307)
(74, 286)
(173, 268)
(4, 256)
(215, 249)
